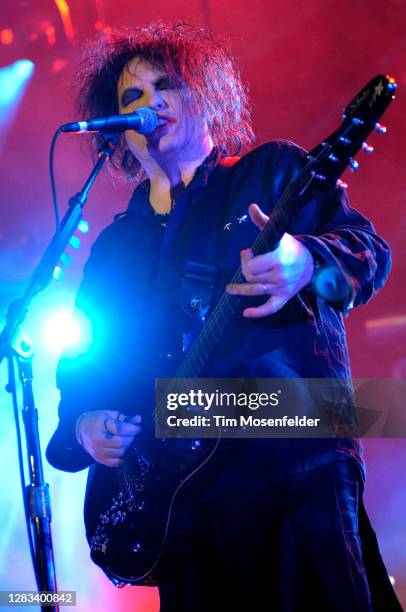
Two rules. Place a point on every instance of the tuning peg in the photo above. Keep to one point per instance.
(333, 158)
(341, 185)
(318, 177)
(392, 85)
(357, 121)
(367, 148)
(344, 140)
(381, 129)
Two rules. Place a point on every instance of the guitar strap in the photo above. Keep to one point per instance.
(201, 267)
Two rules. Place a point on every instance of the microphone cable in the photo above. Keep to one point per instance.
(52, 179)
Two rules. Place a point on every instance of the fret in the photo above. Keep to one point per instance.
(217, 328)
(185, 370)
(222, 316)
(193, 365)
(210, 338)
(210, 329)
(204, 350)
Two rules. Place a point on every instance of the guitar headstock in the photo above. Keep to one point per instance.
(360, 118)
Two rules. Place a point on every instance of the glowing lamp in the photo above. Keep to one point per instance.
(74, 242)
(23, 69)
(58, 273)
(83, 226)
(13, 81)
(6, 36)
(65, 330)
(66, 259)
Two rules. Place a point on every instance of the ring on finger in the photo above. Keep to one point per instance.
(264, 288)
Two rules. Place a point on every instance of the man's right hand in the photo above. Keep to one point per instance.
(106, 435)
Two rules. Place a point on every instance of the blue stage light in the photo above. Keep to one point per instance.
(58, 273)
(13, 81)
(66, 330)
(23, 69)
(83, 226)
(74, 241)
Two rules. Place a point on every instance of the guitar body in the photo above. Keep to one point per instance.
(128, 509)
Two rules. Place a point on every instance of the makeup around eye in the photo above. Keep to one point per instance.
(130, 95)
(134, 93)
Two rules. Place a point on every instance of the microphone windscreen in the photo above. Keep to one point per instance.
(149, 120)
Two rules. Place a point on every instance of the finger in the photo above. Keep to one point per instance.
(275, 278)
(249, 289)
(129, 419)
(111, 453)
(271, 306)
(113, 463)
(121, 428)
(110, 441)
(113, 414)
(117, 441)
(246, 256)
(259, 218)
(136, 419)
(258, 264)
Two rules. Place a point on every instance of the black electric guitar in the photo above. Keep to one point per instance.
(129, 509)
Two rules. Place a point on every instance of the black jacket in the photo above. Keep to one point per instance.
(134, 316)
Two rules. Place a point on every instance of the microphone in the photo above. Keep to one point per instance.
(144, 121)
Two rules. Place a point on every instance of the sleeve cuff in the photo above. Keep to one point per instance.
(65, 453)
(330, 281)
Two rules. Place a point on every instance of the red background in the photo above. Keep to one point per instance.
(303, 61)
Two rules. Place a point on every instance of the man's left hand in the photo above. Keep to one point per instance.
(280, 273)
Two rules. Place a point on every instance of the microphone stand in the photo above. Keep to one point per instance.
(36, 495)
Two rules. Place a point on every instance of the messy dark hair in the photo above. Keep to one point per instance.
(195, 56)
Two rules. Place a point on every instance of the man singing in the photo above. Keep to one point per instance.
(271, 524)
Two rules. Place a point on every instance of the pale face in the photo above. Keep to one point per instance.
(182, 136)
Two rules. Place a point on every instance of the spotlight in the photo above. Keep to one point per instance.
(13, 83)
(23, 69)
(65, 330)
